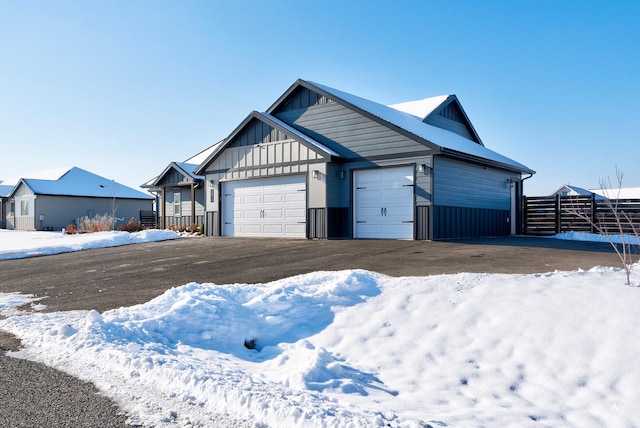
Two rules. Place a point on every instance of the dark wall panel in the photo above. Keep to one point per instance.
(461, 222)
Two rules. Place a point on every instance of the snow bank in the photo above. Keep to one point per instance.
(20, 244)
(359, 349)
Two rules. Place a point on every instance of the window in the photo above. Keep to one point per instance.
(24, 207)
(176, 203)
(212, 191)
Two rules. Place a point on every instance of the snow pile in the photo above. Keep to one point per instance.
(19, 244)
(581, 236)
(360, 349)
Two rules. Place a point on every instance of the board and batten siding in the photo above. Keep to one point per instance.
(462, 184)
(348, 132)
(24, 197)
(262, 151)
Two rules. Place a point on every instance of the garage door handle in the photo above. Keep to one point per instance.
(360, 188)
(381, 211)
(360, 221)
(407, 221)
(408, 185)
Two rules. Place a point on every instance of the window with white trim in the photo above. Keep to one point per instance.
(177, 202)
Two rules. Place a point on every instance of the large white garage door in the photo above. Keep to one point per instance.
(265, 207)
(383, 203)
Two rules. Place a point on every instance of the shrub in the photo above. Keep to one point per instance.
(132, 226)
(71, 229)
(98, 223)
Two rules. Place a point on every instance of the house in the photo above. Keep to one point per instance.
(180, 193)
(622, 193)
(56, 198)
(322, 163)
(568, 190)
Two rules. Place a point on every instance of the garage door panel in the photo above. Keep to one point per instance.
(383, 203)
(265, 207)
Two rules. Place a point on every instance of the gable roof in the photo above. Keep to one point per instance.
(185, 168)
(78, 182)
(421, 108)
(438, 139)
(276, 123)
(429, 108)
(575, 189)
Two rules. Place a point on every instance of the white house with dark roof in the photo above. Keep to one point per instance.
(53, 199)
(323, 163)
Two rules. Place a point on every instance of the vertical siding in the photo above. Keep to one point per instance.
(462, 184)
(450, 125)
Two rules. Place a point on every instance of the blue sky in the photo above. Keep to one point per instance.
(122, 88)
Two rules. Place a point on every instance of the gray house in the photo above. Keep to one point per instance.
(322, 163)
(56, 201)
(180, 192)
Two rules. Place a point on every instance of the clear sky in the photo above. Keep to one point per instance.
(122, 88)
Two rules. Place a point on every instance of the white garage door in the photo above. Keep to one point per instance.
(265, 207)
(383, 203)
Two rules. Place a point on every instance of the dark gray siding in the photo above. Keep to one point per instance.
(173, 177)
(349, 133)
(451, 118)
(463, 184)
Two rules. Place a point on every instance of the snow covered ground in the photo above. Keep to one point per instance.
(356, 349)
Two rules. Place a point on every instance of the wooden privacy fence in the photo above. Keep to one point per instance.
(548, 215)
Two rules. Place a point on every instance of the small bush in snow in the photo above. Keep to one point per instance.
(98, 223)
(132, 226)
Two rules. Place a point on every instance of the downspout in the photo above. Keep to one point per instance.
(521, 224)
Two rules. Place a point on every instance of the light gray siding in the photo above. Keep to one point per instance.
(59, 211)
(24, 203)
(262, 151)
(462, 184)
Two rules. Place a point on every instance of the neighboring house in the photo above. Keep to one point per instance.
(180, 193)
(4, 202)
(322, 163)
(622, 193)
(568, 190)
(58, 198)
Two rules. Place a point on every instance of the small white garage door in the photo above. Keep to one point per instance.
(265, 207)
(383, 203)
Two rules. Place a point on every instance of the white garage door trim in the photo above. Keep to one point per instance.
(265, 207)
(383, 200)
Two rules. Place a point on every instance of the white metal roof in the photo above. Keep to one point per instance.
(78, 182)
(440, 137)
(421, 108)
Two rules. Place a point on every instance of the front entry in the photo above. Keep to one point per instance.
(383, 203)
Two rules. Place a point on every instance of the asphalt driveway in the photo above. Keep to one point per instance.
(108, 278)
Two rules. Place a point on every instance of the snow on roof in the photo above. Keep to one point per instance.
(622, 193)
(574, 189)
(202, 156)
(5, 190)
(421, 108)
(78, 182)
(440, 137)
(189, 168)
(48, 174)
